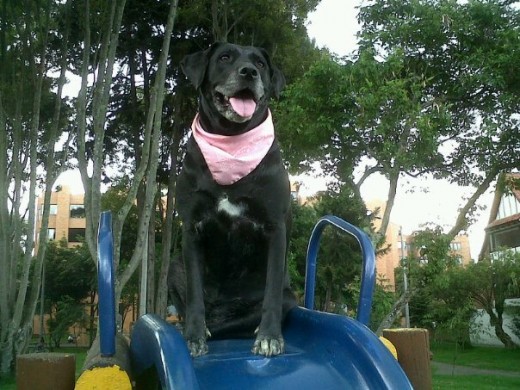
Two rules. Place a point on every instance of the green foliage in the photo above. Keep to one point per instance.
(67, 313)
(446, 294)
(434, 276)
(382, 301)
(339, 258)
(515, 313)
(70, 277)
(462, 53)
(112, 200)
(303, 220)
(312, 112)
(68, 272)
(431, 90)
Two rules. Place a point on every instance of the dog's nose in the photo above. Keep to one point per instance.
(249, 72)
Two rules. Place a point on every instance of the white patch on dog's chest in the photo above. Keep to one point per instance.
(231, 209)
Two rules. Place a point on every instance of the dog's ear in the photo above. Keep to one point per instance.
(194, 66)
(277, 77)
(277, 81)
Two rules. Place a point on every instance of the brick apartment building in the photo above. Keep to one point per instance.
(66, 216)
(386, 263)
(66, 220)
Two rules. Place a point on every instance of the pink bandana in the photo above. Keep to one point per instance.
(230, 158)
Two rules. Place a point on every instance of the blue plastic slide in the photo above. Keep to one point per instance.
(323, 351)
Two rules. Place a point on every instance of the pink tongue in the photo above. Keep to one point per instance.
(243, 107)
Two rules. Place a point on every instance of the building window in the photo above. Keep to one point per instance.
(456, 246)
(509, 205)
(53, 209)
(77, 211)
(76, 234)
(505, 238)
(51, 234)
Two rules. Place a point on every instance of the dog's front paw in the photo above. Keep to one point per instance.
(268, 346)
(197, 347)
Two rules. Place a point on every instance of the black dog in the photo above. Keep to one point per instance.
(233, 197)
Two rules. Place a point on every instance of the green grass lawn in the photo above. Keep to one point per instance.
(474, 382)
(478, 357)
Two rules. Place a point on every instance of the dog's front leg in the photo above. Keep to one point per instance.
(195, 327)
(269, 340)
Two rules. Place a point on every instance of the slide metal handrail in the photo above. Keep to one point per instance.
(368, 272)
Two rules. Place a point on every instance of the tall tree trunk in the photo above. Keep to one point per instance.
(397, 308)
(161, 300)
(462, 218)
(392, 191)
(496, 320)
(53, 167)
(150, 156)
(17, 310)
(150, 256)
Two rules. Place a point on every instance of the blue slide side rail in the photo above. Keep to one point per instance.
(107, 303)
(368, 275)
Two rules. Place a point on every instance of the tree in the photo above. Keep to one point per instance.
(463, 53)
(458, 292)
(364, 112)
(30, 127)
(69, 272)
(113, 199)
(446, 293)
(67, 312)
(489, 284)
(435, 296)
(145, 170)
(430, 91)
(338, 273)
(70, 282)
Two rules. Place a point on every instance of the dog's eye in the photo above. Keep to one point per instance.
(260, 64)
(225, 57)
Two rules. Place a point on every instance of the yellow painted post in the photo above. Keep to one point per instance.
(106, 373)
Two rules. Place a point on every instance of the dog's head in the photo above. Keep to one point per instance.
(235, 84)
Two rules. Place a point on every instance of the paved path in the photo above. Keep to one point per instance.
(452, 369)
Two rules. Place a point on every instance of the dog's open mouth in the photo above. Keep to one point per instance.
(243, 102)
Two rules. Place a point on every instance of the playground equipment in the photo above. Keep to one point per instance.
(323, 351)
